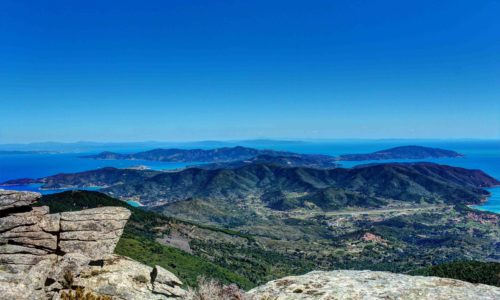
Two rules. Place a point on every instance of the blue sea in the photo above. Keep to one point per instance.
(483, 155)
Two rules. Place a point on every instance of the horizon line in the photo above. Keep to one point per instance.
(284, 139)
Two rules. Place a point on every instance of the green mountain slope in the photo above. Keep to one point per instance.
(94, 178)
(419, 182)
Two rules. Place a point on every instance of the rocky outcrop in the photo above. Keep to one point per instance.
(93, 232)
(357, 285)
(44, 256)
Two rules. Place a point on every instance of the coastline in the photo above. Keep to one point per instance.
(134, 203)
(492, 202)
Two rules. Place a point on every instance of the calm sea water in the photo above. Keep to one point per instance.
(483, 155)
(14, 166)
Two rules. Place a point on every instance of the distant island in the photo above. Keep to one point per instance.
(403, 152)
(238, 156)
(224, 154)
(226, 157)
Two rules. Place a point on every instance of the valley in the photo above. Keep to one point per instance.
(273, 244)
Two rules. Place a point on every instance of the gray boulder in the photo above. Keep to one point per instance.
(165, 282)
(358, 285)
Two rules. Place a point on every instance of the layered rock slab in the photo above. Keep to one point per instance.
(370, 285)
(93, 232)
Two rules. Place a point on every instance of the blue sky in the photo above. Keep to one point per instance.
(189, 70)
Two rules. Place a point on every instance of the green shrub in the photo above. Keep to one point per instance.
(471, 271)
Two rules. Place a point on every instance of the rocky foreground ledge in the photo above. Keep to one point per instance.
(55, 256)
(370, 285)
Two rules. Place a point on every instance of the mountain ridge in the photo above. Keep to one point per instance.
(412, 181)
(294, 187)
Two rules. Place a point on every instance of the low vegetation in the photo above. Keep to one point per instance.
(471, 271)
(186, 266)
(80, 294)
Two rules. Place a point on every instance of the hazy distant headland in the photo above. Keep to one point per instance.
(17, 152)
(402, 152)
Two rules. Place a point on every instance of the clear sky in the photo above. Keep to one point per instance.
(187, 70)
